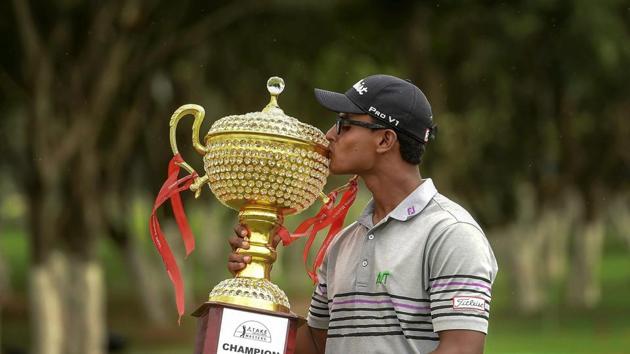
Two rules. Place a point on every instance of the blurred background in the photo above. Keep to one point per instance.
(532, 99)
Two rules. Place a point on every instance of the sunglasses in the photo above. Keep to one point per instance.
(341, 122)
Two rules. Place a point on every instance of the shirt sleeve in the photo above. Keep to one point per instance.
(318, 313)
(462, 268)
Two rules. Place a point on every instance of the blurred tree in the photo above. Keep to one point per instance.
(87, 79)
(528, 95)
(538, 92)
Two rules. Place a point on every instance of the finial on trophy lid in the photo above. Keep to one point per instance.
(275, 86)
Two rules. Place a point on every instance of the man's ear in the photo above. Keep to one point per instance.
(387, 140)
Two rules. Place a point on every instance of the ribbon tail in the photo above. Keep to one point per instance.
(182, 223)
(307, 248)
(336, 219)
(169, 262)
(332, 232)
(170, 190)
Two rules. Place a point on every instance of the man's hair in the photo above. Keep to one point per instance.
(411, 150)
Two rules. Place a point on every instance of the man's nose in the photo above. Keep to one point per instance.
(331, 134)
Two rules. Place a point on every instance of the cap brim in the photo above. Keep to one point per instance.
(336, 102)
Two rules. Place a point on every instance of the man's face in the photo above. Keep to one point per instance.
(352, 144)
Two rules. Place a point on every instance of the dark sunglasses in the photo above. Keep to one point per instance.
(341, 122)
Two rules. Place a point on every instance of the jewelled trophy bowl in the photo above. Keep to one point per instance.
(265, 165)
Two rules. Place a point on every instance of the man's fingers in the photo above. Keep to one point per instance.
(239, 258)
(234, 267)
(237, 242)
(241, 231)
(236, 262)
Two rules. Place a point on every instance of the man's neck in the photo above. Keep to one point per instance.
(390, 188)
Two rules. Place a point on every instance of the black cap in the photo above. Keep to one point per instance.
(395, 102)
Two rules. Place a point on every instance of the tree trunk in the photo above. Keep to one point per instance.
(47, 268)
(83, 227)
(145, 278)
(619, 216)
(144, 275)
(559, 224)
(46, 305)
(85, 308)
(556, 226)
(526, 268)
(526, 248)
(584, 284)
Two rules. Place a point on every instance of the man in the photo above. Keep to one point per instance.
(414, 273)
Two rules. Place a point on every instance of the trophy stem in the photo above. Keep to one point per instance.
(252, 287)
(262, 222)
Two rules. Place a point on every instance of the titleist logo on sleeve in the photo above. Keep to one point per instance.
(469, 303)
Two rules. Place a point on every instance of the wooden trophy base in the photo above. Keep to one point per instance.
(226, 328)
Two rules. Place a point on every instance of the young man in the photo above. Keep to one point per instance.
(414, 273)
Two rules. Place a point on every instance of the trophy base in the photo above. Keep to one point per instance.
(251, 292)
(226, 328)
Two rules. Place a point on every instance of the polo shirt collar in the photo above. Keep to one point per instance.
(411, 206)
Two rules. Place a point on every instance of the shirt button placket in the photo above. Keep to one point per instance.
(364, 270)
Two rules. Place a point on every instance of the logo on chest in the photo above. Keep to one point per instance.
(381, 278)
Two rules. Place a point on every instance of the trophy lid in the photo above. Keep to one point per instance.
(270, 121)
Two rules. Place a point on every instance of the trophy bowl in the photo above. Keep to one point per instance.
(265, 165)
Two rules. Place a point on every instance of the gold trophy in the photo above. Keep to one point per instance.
(265, 165)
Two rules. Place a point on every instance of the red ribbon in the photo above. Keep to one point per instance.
(170, 191)
(328, 215)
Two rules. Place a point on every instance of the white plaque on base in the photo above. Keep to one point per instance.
(254, 333)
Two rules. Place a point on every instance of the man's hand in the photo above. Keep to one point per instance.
(236, 261)
(240, 240)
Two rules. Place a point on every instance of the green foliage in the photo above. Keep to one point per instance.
(529, 92)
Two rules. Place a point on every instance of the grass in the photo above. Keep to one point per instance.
(558, 330)
(591, 332)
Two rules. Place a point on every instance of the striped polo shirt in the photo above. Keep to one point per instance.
(390, 287)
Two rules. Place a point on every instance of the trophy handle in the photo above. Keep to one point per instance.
(199, 113)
